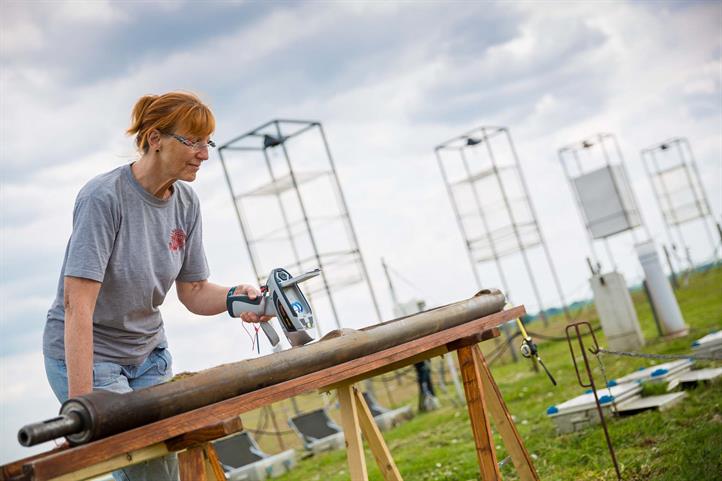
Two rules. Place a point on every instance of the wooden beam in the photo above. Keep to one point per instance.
(475, 402)
(55, 464)
(203, 435)
(371, 431)
(436, 351)
(117, 462)
(178, 443)
(504, 424)
(352, 434)
(192, 465)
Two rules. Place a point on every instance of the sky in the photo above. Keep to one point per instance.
(389, 81)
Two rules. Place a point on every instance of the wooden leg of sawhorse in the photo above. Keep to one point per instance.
(197, 458)
(503, 422)
(483, 398)
(478, 414)
(371, 430)
(200, 463)
(356, 418)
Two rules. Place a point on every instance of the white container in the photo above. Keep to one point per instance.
(616, 312)
(660, 291)
(578, 413)
(659, 372)
(709, 345)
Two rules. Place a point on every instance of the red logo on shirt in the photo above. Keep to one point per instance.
(177, 240)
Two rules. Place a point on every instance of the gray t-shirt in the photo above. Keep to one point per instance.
(136, 245)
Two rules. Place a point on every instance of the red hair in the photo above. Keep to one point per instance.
(168, 113)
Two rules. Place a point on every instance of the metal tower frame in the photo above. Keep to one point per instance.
(494, 239)
(274, 136)
(570, 155)
(682, 168)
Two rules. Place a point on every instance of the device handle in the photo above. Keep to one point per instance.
(236, 304)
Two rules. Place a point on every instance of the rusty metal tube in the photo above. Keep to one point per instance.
(105, 413)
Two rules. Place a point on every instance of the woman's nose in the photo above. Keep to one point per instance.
(202, 154)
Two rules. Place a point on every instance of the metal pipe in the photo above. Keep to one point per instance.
(103, 413)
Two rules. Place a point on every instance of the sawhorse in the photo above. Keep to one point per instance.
(190, 433)
(483, 401)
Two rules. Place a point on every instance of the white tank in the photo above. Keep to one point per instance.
(665, 304)
(616, 312)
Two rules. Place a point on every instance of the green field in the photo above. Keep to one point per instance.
(684, 443)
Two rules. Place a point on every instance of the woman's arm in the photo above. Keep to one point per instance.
(207, 299)
(80, 297)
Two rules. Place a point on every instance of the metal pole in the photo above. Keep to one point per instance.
(350, 224)
(555, 277)
(693, 163)
(580, 208)
(631, 191)
(492, 244)
(395, 301)
(672, 218)
(703, 197)
(605, 241)
(455, 208)
(308, 224)
(283, 214)
(591, 383)
(673, 274)
(649, 154)
(487, 231)
(392, 291)
(515, 229)
(236, 208)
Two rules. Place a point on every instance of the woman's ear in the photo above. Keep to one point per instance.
(154, 140)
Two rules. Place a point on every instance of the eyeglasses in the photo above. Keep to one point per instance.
(194, 146)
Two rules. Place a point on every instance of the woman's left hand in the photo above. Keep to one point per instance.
(252, 292)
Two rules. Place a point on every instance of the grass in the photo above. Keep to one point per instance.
(684, 443)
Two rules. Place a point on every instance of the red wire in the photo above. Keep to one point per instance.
(253, 339)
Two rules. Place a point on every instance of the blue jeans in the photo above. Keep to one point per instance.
(155, 369)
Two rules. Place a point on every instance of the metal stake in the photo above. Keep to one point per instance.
(590, 383)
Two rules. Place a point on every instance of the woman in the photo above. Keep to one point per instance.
(136, 231)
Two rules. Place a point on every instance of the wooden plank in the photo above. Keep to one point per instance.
(55, 464)
(475, 402)
(504, 424)
(178, 443)
(203, 435)
(473, 339)
(15, 468)
(436, 351)
(120, 461)
(378, 446)
(191, 464)
(352, 434)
